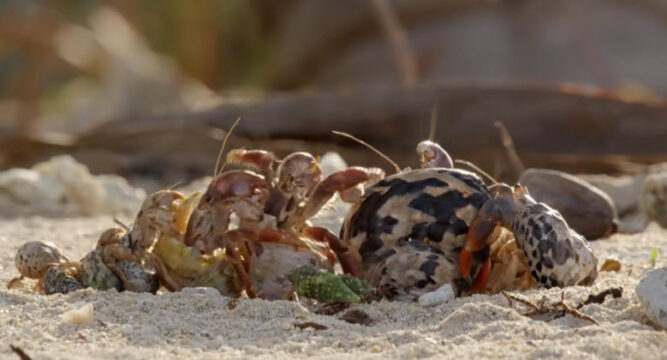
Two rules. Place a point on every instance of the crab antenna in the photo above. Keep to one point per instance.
(382, 155)
(434, 121)
(121, 224)
(219, 168)
(174, 185)
(476, 168)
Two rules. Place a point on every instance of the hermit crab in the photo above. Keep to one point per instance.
(258, 217)
(417, 230)
(120, 260)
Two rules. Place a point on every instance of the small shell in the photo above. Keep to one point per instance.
(58, 281)
(139, 279)
(325, 286)
(587, 209)
(442, 295)
(96, 275)
(34, 258)
(81, 316)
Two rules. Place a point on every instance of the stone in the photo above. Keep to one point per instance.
(652, 294)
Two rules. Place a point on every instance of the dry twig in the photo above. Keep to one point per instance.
(398, 42)
(508, 145)
(557, 309)
(602, 296)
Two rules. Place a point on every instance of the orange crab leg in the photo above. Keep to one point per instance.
(482, 277)
(476, 240)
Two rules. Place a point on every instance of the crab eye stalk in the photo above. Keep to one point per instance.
(431, 154)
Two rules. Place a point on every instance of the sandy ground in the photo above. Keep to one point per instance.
(194, 325)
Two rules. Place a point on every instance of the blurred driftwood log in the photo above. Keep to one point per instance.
(562, 128)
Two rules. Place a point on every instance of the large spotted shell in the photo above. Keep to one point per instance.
(34, 258)
(409, 228)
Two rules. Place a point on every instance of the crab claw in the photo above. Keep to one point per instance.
(482, 277)
(476, 241)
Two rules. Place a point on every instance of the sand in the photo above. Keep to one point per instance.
(192, 324)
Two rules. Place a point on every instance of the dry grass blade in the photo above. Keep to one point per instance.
(433, 126)
(404, 57)
(219, 168)
(382, 155)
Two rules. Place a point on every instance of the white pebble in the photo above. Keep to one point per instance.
(81, 316)
(202, 290)
(332, 162)
(437, 297)
(652, 294)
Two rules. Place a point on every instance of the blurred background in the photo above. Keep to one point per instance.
(146, 89)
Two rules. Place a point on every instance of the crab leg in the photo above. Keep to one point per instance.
(15, 281)
(338, 181)
(114, 253)
(230, 245)
(476, 248)
(350, 262)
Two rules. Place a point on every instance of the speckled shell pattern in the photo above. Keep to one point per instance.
(34, 258)
(58, 281)
(409, 229)
(557, 255)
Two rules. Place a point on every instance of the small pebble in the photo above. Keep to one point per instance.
(611, 265)
(81, 316)
(440, 296)
(652, 294)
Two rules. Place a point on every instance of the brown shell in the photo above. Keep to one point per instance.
(587, 209)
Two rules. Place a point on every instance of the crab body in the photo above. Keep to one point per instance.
(418, 230)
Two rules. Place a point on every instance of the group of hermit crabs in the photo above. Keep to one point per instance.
(407, 234)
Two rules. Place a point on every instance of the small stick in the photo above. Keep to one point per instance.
(398, 41)
(574, 312)
(521, 300)
(382, 155)
(508, 145)
(602, 296)
(216, 172)
(434, 121)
